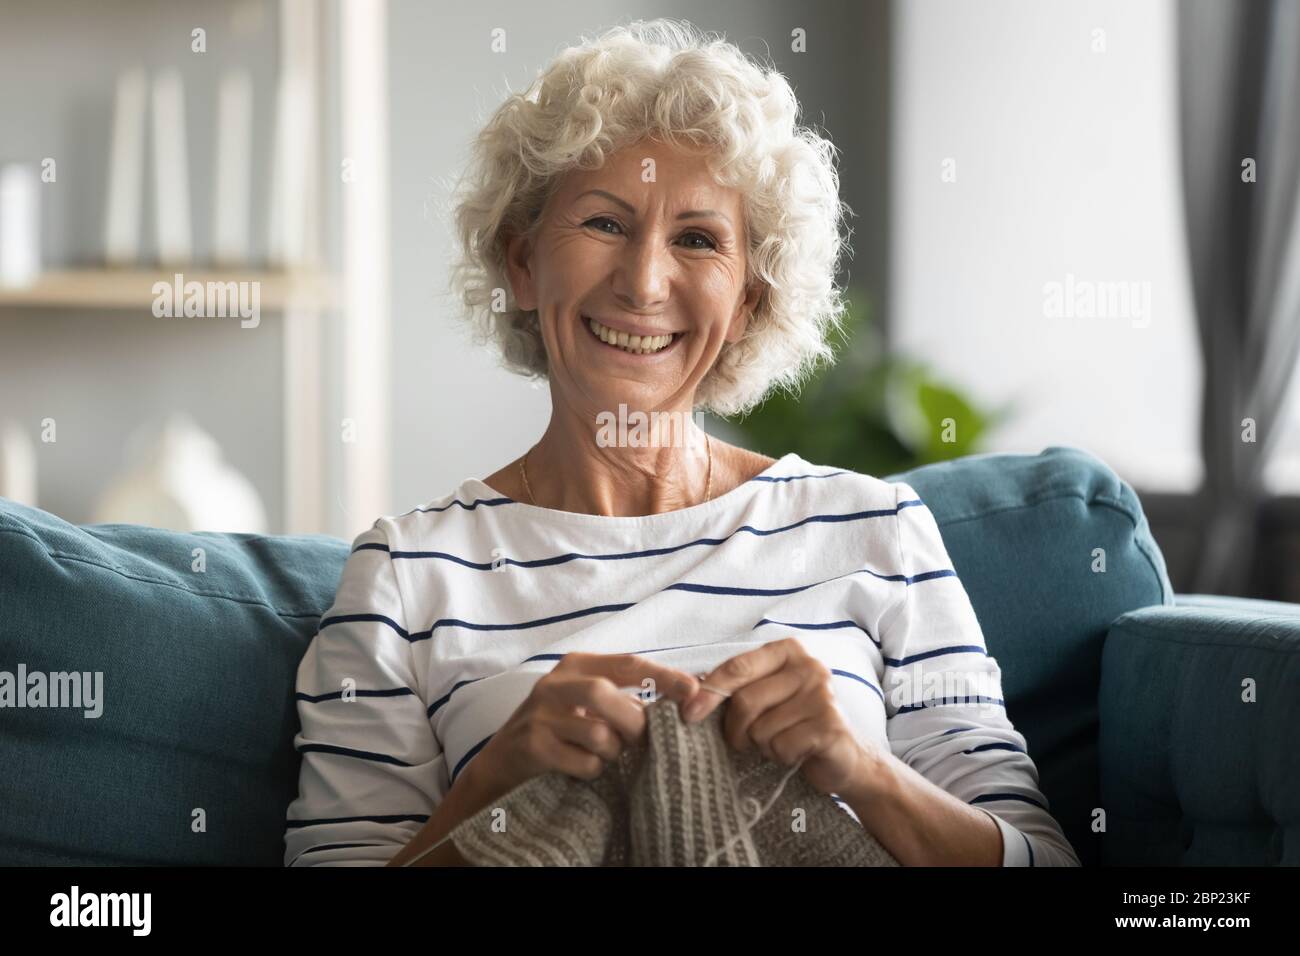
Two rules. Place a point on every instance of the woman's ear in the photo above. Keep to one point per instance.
(519, 253)
(745, 311)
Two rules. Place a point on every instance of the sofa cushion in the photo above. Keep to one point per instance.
(198, 669)
(1023, 532)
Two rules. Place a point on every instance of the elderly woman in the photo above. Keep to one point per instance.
(669, 238)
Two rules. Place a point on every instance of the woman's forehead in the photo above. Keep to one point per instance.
(684, 186)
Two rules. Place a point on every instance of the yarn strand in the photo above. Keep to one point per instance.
(746, 828)
(427, 850)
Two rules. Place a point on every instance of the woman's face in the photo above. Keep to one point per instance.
(647, 244)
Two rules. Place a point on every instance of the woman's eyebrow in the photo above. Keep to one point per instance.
(703, 214)
(688, 214)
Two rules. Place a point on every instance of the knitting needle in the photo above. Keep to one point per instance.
(639, 692)
(711, 690)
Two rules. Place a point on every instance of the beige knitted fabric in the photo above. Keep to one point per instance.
(683, 798)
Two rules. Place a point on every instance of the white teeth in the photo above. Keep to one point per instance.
(636, 344)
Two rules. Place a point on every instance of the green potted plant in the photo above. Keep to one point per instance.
(874, 412)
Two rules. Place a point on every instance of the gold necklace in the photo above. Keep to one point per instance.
(708, 488)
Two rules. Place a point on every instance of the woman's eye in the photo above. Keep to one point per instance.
(708, 243)
(700, 235)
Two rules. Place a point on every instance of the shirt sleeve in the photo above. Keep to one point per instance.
(946, 717)
(372, 769)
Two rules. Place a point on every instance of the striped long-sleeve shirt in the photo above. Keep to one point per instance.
(447, 615)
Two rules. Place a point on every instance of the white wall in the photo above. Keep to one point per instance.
(1066, 163)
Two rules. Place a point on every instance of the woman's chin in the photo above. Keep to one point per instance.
(618, 401)
(605, 389)
(608, 399)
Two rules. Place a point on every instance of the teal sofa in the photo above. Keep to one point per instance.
(1130, 698)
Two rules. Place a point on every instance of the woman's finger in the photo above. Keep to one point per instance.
(594, 736)
(572, 759)
(599, 699)
(798, 709)
(631, 670)
(796, 741)
(753, 700)
(731, 675)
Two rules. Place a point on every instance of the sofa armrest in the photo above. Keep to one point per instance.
(1199, 706)
(1247, 607)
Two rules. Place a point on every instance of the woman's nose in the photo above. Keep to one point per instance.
(643, 274)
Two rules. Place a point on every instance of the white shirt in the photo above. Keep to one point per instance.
(447, 615)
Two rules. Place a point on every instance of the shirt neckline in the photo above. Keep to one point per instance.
(476, 485)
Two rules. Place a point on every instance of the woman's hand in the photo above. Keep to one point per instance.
(782, 704)
(575, 719)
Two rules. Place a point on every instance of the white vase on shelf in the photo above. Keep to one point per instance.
(17, 464)
(126, 170)
(20, 224)
(178, 480)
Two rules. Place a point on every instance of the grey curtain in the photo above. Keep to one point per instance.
(1239, 91)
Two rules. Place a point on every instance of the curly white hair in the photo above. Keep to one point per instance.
(667, 80)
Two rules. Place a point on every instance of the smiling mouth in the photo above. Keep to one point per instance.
(631, 344)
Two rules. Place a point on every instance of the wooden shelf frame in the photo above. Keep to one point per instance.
(113, 289)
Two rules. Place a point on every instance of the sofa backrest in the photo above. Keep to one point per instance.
(1027, 535)
(198, 638)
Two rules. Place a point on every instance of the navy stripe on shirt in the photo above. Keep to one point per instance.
(385, 818)
(349, 752)
(629, 555)
(604, 608)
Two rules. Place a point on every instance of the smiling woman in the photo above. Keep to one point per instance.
(669, 237)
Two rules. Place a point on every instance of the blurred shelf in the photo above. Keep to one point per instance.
(134, 288)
